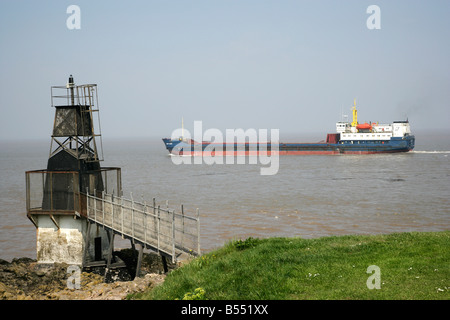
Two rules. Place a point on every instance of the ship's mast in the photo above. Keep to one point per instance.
(182, 129)
(355, 114)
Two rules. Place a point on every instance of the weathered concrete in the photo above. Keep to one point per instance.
(66, 244)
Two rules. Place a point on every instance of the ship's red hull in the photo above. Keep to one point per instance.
(281, 153)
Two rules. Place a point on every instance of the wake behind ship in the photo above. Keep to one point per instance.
(350, 138)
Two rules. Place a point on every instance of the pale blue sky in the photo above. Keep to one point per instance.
(288, 65)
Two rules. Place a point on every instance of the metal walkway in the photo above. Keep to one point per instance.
(171, 234)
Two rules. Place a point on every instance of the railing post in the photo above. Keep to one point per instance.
(182, 217)
(103, 209)
(198, 232)
(158, 224)
(112, 210)
(145, 221)
(95, 205)
(173, 236)
(155, 219)
(121, 212)
(87, 203)
(132, 216)
(182, 230)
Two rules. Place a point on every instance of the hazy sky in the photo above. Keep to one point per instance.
(287, 65)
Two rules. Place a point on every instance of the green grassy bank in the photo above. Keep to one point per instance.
(411, 266)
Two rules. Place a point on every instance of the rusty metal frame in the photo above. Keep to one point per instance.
(79, 200)
(39, 211)
(79, 95)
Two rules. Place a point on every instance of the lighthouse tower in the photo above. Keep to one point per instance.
(56, 196)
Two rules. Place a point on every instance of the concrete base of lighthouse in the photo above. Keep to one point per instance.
(63, 239)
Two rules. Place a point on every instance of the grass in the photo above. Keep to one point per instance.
(412, 266)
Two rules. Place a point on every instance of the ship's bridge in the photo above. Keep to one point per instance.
(401, 128)
(342, 127)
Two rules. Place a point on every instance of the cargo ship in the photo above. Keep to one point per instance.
(349, 138)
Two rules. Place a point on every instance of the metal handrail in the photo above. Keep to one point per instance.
(141, 213)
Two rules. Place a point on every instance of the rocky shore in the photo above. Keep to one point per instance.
(24, 279)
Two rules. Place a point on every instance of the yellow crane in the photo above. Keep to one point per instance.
(355, 114)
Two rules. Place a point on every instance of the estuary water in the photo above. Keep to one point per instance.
(310, 196)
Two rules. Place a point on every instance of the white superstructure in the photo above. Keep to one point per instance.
(371, 131)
